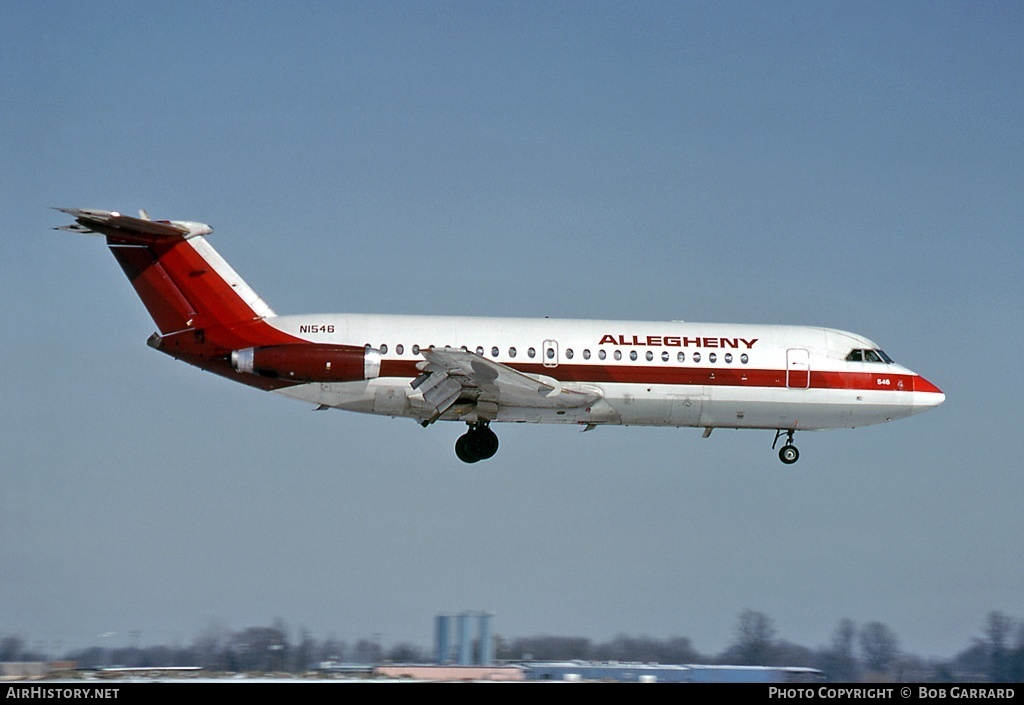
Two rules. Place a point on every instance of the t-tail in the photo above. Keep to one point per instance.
(202, 309)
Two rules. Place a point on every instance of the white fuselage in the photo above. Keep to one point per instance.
(647, 373)
(482, 370)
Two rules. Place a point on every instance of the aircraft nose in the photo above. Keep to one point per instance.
(927, 394)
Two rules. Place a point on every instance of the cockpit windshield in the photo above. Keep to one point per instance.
(867, 355)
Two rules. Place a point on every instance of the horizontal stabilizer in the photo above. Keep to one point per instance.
(126, 227)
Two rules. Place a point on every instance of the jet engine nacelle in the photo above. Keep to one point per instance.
(309, 362)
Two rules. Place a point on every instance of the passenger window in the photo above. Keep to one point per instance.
(400, 349)
(744, 359)
(664, 356)
(618, 354)
(586, 354)
(601, 354)
(632, 355)
(712, 357)
(650, 356)
(550, 352)
(728, 358)
(696, 357)
(681, 357)
(494, 351)
(511, 352)
(532, 352)
(479, 349)
(568, 353)
(383, 348)
(415, 349)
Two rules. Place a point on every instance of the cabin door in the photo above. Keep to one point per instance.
(798, 368)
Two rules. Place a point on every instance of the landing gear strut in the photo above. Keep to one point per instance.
(788, 453)
(478, 443)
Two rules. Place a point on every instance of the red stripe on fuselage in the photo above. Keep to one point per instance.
(689, 376)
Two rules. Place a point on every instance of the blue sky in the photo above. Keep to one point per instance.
(854, 165)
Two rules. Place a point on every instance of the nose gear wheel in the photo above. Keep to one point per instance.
(788, 454)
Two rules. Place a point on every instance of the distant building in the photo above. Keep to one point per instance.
(426, 672)
(599, 671)
(753, 674)
(345, 668)
(464, 652)
(663, 673)
(10, 670)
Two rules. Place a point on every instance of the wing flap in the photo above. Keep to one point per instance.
(451, 374)
(443, 393)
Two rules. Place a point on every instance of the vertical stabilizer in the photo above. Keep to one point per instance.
(202, 308)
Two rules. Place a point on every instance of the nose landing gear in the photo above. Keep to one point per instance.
(478, 443)
(788, 454)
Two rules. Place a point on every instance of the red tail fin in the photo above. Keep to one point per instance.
(200, 305)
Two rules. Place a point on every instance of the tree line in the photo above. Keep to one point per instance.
(855, 652)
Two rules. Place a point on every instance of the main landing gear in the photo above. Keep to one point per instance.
(788, 452)
(478, 443)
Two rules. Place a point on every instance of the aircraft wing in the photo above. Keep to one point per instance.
(450, 374)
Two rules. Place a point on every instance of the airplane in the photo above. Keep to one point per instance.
(480, 371)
